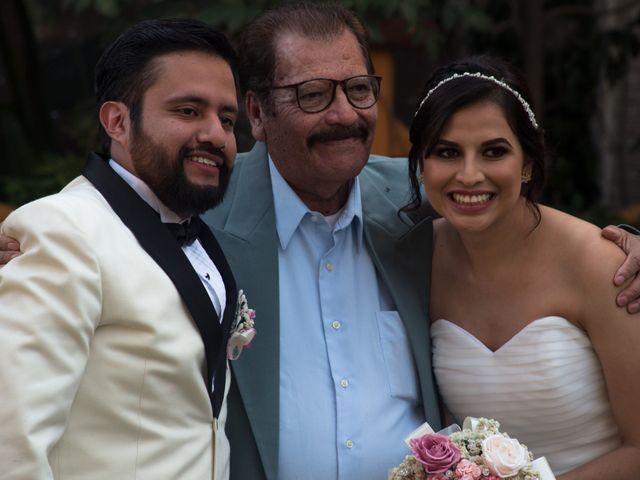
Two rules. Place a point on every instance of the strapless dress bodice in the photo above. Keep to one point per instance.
(545, 386)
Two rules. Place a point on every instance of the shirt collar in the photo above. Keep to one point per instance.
(142, 189)
(290, 210)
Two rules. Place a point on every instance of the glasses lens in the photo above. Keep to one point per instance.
(362, 91)
(315, 95)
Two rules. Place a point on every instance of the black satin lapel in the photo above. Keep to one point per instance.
(156, 240)
(211, 246)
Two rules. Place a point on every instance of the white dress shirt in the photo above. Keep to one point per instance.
(202, 264)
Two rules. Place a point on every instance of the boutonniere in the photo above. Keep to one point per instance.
(242, 330)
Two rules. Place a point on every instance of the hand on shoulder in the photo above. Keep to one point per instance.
(630, 269)
(9, 248)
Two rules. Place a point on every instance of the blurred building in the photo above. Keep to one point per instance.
(619, 124)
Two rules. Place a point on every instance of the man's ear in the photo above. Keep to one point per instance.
(255, 113)
(115, 119)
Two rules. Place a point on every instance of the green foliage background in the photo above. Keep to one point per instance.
(47, 120)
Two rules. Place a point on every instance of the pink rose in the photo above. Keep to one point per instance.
(437, 476)
(436, 452)
(466, 470)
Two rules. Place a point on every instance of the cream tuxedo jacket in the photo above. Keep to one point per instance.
(107, 349)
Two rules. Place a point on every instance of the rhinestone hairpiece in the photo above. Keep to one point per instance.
(515, 93)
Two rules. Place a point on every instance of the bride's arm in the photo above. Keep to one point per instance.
(615, 336)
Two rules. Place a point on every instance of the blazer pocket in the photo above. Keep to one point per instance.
(398, 359)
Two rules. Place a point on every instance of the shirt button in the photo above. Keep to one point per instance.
(336, 325)
(348, 444)
(344, 383)
(329, 266)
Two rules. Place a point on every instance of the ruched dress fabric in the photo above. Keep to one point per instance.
(545, 386)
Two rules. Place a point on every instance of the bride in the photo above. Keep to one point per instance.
(524, 327)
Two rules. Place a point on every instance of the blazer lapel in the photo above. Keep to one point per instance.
(214, 251)
(249, 241)
(156, 240)
(401, 252)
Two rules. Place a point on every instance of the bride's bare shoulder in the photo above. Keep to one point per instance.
(580, 243)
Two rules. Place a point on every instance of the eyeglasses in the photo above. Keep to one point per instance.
(316, 95)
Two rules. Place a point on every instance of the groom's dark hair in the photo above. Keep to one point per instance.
(127, 69)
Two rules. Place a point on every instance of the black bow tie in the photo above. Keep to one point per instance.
(185, 232)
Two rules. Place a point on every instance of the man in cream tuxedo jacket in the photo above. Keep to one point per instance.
(113, 334)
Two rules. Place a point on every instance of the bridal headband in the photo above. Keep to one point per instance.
(515, 93)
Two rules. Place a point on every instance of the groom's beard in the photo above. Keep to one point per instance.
(165, 175)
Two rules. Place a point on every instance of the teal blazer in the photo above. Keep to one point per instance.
(244, 225)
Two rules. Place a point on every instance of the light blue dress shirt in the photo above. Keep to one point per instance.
(349, 393)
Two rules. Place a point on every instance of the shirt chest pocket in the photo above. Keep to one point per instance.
(400, 368)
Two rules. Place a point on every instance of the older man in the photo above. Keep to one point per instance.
(341, 371)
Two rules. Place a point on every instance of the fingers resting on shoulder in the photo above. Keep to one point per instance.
(630, 268)
(9, 249)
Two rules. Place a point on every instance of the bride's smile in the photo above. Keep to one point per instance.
(473, 174)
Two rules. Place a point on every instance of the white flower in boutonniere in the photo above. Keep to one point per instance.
(242, 330)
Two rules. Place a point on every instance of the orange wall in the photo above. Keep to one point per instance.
(392, 136)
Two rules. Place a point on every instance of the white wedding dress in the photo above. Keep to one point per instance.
(545, 387)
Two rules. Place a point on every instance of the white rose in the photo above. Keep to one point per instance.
(504, 456)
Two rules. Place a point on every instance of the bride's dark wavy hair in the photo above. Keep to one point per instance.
(433, 116)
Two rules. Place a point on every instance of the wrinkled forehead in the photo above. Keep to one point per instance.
(299, 57)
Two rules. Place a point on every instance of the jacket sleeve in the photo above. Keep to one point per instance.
(50, 303)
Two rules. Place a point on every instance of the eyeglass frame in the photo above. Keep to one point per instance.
(335, 84)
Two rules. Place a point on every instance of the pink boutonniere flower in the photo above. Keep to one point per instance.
(243, 330)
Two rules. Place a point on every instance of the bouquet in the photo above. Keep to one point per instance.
(477, 452)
